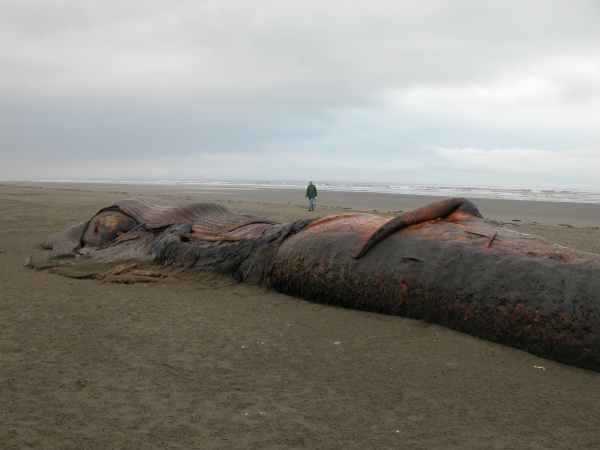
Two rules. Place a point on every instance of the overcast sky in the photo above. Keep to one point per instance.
(454, 92)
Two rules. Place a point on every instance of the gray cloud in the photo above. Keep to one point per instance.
(256, 89)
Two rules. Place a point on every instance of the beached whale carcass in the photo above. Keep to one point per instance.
(442, 263)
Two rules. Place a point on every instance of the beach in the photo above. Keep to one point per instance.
(202, 361)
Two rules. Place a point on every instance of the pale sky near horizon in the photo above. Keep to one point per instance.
(452, 92)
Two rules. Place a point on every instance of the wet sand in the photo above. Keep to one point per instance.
(206, 362)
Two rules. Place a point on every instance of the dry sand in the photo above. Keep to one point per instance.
(205, 362)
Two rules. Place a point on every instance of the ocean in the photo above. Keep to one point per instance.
(548, 194)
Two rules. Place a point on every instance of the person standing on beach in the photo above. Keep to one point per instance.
(311, 194)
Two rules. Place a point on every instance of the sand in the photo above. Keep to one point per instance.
(205, 362)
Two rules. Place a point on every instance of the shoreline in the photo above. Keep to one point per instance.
(526, 193)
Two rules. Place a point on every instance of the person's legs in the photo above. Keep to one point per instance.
(310, 204)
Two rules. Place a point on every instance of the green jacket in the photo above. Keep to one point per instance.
(311, 191)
